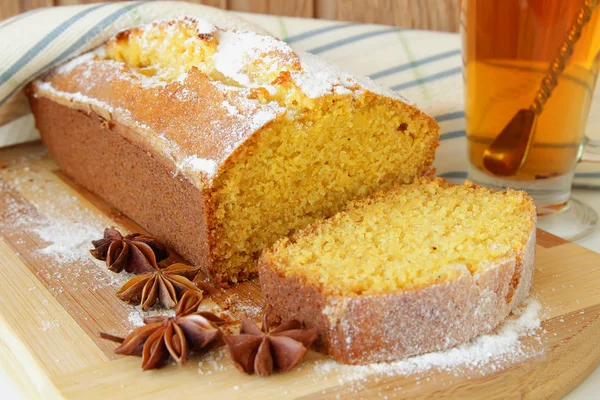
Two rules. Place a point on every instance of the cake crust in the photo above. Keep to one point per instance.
(386, 327)
(99, 157)
(208, 120)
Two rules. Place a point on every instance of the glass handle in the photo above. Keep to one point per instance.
(591, 151)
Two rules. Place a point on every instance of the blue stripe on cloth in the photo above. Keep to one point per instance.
(351, 39)
(18, 17)
(430, 78)
(587, 175)
(450, 116)
(452, 135)
(315, 32)
(45, 41)
(403, 67)
(96, 29)
(80, 42)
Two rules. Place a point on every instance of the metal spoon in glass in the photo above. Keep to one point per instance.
(508, 152)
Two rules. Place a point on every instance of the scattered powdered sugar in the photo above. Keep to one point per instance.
(483, 352)
(55, 228)
(75, 97)
(71, 65)
(213, 362)
(136, 316)
(238, 49)
(184, 94)
(319, 78)
(201, 25)
(48, 324)
(262, 117)
(231, 109)
(198, 164)
(67, 240)
(372, 86)
(251, 311)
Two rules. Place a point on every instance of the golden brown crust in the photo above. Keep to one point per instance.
(128, 176)
(376, 328)
(172, 112)
(163, 118)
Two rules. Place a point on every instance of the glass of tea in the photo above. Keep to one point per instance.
(508, 48)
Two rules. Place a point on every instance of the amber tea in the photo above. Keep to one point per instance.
(508, 48)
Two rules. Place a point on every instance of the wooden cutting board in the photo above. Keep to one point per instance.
(54, 299)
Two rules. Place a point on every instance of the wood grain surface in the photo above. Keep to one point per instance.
(441, 15)
(51, 311)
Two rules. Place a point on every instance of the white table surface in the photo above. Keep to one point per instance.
(441, 95)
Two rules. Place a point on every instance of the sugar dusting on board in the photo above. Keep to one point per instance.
(485, 353)
(55, 227)
(136, 316)
(66, 239)
(214, 361)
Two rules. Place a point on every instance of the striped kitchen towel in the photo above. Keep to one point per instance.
(423, 66)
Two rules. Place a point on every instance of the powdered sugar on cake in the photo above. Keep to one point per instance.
(76, 97)
(244, 115)
(485, 353)
(238, 50)
(242, 63)
(69, 66)
(198, 164)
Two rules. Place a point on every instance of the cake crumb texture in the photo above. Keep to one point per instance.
(412, 236)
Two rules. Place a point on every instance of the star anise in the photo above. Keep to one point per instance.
(165, 285)
(162, 337)
(262, 351)
(129, 253)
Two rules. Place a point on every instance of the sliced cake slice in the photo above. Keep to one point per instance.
(418, 268)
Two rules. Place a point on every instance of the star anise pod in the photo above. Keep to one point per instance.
(263, 351)
(165, 285)
(129, 253)
(162, 337)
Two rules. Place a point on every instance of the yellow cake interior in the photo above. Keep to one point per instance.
(295, 170)
(165, 51)
(288, 178)
(414, 236)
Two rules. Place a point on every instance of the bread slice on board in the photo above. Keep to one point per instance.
(418, 268)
